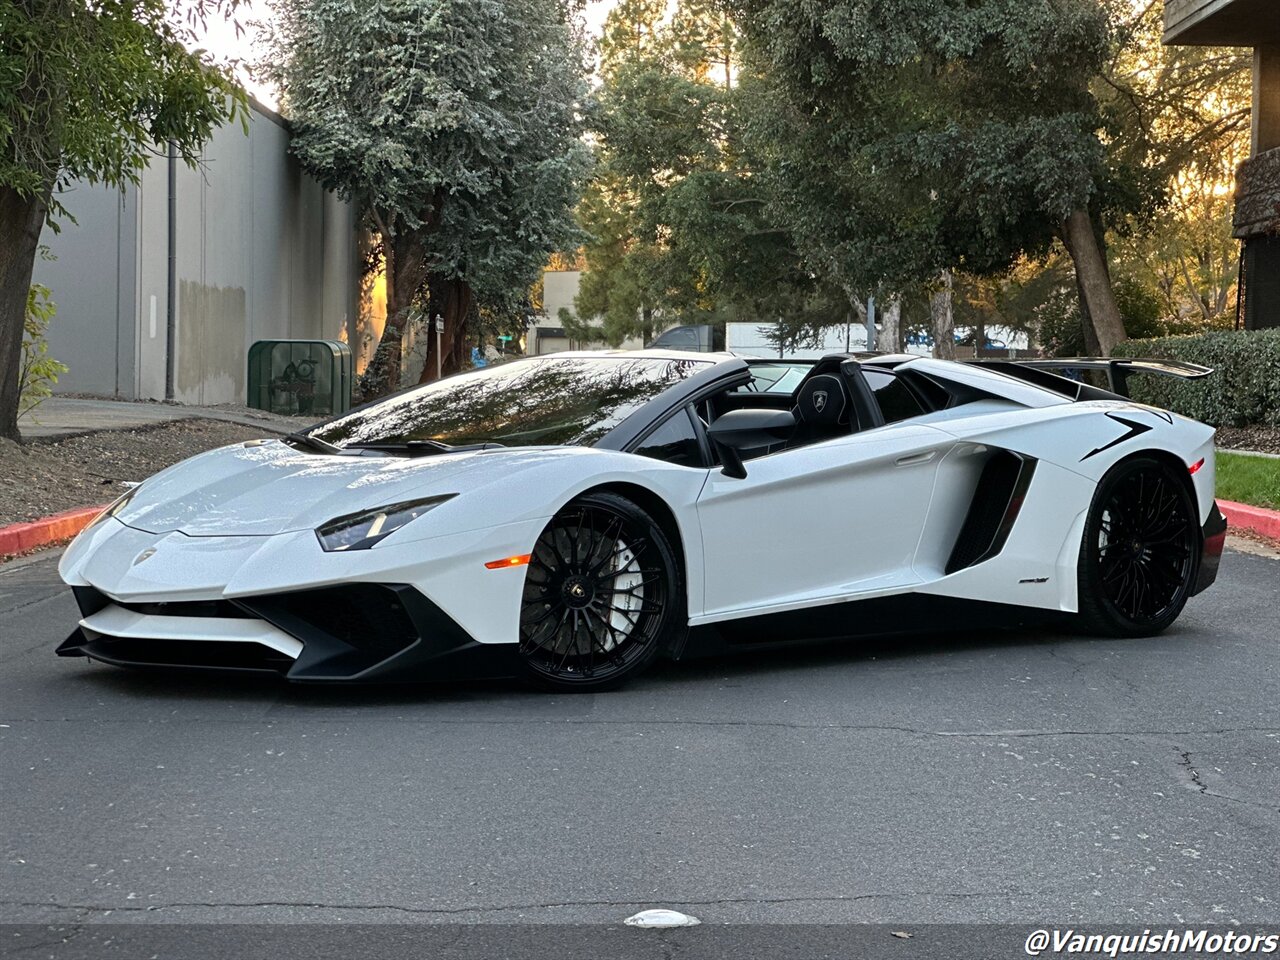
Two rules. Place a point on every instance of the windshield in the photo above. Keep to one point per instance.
(779, 377)
(538, 401)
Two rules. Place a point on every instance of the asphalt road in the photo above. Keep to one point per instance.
(1023, 778)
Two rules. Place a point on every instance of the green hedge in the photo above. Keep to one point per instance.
(1244, 390)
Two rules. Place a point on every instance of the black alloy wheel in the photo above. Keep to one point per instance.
(600, 596)
(1140, 551)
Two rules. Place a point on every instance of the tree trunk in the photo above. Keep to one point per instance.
(942, 319)
(1097, 299)
(462, 315)
(889, 336)
(21, 220)
(406, 268)
(450, 299)
(1091, 346)
(455, 362)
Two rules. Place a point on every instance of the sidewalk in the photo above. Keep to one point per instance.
(68, 416)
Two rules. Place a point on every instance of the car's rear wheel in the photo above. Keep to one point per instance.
(601, 595)
(1140, 550)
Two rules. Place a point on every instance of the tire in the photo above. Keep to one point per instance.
(1140, 552)
(602, 596)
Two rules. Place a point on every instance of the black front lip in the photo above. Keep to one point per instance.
(1213, 539)
(431, 645)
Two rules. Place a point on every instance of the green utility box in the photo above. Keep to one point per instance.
(300, 377)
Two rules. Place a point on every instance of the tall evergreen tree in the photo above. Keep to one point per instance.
(454, 124)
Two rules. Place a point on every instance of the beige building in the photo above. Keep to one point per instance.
(547, 334)
(1254, 24)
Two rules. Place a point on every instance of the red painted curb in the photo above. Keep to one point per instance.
(1257, 519)
(21, 537)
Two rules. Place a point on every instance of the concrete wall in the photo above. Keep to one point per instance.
(91, 279)
(262, 253)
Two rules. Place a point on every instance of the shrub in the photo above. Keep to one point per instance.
(1058, 323)
(1244, 390)
(39, 371)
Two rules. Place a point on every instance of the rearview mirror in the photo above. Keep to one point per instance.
(749, 430)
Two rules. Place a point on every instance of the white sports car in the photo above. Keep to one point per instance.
(576, 515)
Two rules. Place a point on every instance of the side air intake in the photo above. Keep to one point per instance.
(996, 502)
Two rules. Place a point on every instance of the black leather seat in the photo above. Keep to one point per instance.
(822, 409)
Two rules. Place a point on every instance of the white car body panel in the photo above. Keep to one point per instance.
(808, 508)
(116, 621)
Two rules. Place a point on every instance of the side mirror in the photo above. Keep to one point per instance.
(740, 430)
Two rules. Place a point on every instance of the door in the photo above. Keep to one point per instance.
(825, 522)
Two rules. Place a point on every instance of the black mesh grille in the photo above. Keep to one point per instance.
(223, 609)
(369, 617)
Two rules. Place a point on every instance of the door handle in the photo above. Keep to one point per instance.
(914, 458)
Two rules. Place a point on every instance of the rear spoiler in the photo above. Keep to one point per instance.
(1118, 370)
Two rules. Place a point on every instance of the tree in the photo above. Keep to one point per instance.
(942, 317)
(677, 215)
(454, 125)
(1186, 257)
(38, 371)
(957, 133)
(1177, 126)
(88, 91)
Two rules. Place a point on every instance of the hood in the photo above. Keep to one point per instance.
(262, 489)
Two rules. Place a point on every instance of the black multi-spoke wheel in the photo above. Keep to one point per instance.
(1141, 546)
(600, 595)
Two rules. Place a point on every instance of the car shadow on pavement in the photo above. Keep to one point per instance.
(741, 663)
(837, 653)
(270, 690)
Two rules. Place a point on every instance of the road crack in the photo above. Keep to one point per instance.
(508, 908)
(1195, 781)
(726, 724)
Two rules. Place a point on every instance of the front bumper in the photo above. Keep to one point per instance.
(424, 609)
(1213, 540)
(359, 631)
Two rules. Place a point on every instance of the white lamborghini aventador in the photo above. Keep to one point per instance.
(574, 516)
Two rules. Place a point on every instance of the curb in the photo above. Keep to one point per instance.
(22, 537)
(1258, 519)
(1250, 453)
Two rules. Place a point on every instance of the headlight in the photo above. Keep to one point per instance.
(115, 509)
(360, 531)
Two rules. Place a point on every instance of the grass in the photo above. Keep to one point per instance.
(1252, 480)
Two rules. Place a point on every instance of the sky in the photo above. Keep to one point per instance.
(221, 40)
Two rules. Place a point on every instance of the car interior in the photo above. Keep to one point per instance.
(837, 396)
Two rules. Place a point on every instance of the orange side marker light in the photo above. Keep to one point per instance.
(519, 561)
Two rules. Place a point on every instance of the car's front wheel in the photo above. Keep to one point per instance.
(1139, 555)
(601, 596)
